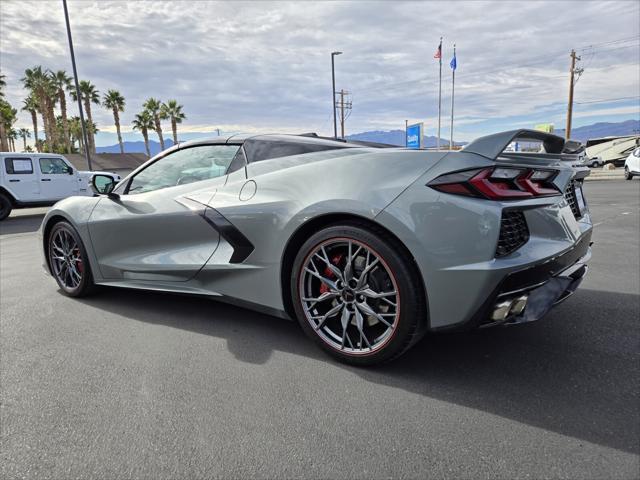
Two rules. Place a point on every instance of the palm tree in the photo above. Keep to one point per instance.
(115, 101)
(172, 110)
(30, 105)
(44, 93)
(153, 106)
(8, 116)
(89, 95)
(75, 130)
(144, 122)
(13, 136)
(3, 84)
(24, 133)
(5, 108)
(61, 81)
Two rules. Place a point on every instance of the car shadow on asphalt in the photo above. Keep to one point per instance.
(21, 224)
(574, 372)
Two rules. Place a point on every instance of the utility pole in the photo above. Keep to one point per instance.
(348, 105)
(75, 78)
(572, 72)
(342, 114)
(333, 93)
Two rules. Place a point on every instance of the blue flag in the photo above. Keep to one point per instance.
(453, 63)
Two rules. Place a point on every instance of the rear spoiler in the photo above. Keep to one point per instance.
(492, 146)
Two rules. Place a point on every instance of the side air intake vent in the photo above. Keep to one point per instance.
(513, 232)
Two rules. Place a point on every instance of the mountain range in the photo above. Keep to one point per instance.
(396, 137)
(603, 129)
(136, 147)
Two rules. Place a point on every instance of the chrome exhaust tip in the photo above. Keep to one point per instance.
(501, 310)
(519, 304)
(506, 308)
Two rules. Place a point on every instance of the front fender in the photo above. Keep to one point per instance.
(76, 211)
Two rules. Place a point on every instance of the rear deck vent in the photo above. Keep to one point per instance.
(513, 232)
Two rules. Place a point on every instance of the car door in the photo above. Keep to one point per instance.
(21, 179)
(155, 230)
(57, 180)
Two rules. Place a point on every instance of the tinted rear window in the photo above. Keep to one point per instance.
(257, 150)
(18, 166)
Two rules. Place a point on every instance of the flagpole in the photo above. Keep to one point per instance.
(439, 94)
(453, 89)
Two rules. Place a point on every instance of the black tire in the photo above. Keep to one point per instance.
(85, 286)
(627, 174)
(411, 312)
(5, 206)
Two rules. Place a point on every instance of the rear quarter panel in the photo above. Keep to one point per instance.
(453, 238)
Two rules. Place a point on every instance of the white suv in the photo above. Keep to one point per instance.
(38, 180)
(632, 164)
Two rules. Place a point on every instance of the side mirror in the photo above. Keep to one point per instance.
(70, 170)
(103, 184)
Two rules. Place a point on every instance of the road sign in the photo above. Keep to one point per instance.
(544, 127)
(414, 135)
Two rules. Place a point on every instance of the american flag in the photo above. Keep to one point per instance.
(438, 53)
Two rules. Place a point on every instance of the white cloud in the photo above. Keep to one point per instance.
(265, 66)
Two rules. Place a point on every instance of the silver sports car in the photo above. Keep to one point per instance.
(368, 248)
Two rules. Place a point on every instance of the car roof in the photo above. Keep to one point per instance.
(31, 155)
(269, 137)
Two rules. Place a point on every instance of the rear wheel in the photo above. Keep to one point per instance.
(5, 206)
(68, 261)
(357, 295)
(627, 174)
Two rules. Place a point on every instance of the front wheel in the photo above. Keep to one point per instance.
(357, 295)
(68, 261)
(627, 174)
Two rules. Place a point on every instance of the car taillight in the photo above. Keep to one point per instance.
(498, 183)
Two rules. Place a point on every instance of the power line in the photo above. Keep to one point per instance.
(605, 100)
(637, 45)
(620, 40)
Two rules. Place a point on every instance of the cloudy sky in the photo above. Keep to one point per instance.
(265, 66)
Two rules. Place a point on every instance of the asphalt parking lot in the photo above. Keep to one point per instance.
(134, 384)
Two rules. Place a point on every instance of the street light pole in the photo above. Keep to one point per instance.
(333, 93)
(75, 78)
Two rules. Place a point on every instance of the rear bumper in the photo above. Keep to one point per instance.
(544, 285)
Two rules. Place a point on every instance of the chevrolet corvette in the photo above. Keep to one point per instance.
(368, 248)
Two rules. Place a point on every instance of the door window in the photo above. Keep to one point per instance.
(184, 166)
(18, 166)
(54, 166)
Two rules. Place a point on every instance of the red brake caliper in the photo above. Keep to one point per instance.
(78, 260)
(324, 288)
